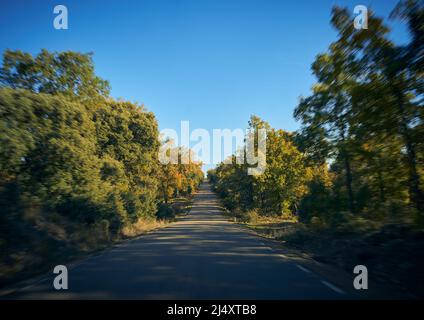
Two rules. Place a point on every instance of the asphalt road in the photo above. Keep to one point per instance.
(201, 256)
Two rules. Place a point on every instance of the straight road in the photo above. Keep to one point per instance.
(201, 256)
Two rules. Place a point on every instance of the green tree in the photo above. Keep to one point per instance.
(327, 112)
(69, 73)
(279, 189)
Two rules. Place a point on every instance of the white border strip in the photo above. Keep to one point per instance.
(333, 287)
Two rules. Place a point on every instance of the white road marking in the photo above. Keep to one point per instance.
(332, 287)
(283, 256)
(35, 283)
(302, 268)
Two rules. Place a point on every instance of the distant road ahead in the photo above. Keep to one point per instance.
(201, 256)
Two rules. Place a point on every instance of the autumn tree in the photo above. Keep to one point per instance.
(278, 189)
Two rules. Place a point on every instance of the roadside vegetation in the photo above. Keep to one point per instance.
(347, 187)
(78, 169)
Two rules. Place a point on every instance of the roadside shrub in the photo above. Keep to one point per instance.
(87, 164)
(252, 216)
(165, 212)
(316, 223)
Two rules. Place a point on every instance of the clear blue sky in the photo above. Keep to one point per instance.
(212, 62)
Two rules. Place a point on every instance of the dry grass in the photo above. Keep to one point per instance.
(271, 226)
(46, 239)
(393, 252)
(143, 226)
(37, 239)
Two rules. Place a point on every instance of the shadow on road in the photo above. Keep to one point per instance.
(201, 256)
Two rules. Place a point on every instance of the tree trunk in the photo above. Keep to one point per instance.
(348, 170)
(415, 193)
(349, 179)
(165, 193)
(380, 180)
